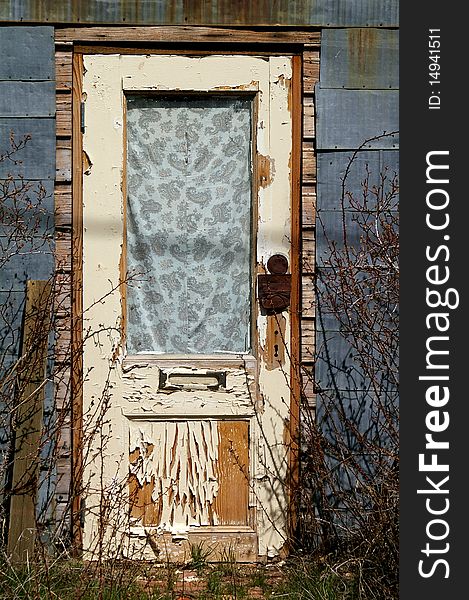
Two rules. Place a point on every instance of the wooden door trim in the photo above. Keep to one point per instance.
(77, 305)
(295, 313)
(179, 34)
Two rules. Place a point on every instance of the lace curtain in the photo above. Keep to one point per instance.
(189, 224)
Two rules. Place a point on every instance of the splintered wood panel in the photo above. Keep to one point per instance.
(173, 478)
(231, 502)
(143, 507)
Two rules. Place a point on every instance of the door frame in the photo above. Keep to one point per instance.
(292, 431)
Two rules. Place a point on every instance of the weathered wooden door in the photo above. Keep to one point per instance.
(186, 195)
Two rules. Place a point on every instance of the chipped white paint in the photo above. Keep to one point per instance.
(139, 414)
(181, 459)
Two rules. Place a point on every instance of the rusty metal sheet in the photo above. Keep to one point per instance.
(360, 58)
(37, 156)
(326, 13)
(348, 118)
(27, 53)
(27, 99)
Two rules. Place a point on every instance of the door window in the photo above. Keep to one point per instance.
(189, 223)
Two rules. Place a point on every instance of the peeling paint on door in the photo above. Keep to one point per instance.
(196, 456)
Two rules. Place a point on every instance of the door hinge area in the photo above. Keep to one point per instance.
(82, 117)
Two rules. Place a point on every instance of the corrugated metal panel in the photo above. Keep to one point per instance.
(327, 13)
(331, 171)
(360, 58)
(38, 156)
(27, 53)
(27, 98)
(348, 118)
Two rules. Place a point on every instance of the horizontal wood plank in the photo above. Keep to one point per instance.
(63, 161)
(308, 303)
(308, 254)
(63, 70)
(308, 335)
(308, 117)
(63, 250)
(64, 114)
(309, 162)
(178, 34)
(63, 205)
(308, 200)
(310, 71)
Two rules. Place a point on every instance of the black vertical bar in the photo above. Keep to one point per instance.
(434, 402)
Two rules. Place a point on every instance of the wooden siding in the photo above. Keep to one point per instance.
(311, 65)
(63, 266)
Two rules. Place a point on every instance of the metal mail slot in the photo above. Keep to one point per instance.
(208, 380)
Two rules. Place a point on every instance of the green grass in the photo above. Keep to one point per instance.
(127, 580)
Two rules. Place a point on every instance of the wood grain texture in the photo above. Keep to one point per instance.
(308, 334)
(308, 201)
(308, 300)
(63, 70)
(63, 250)
(310, 71)
(28, 419)
(311, 74)
(231, 502)
(63, 205)
(63, 166)
(64, 114)
(181, 34)
(309, 251)
(308, 117)
(309, 162)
